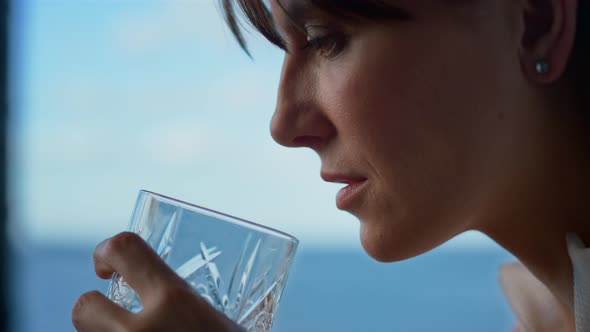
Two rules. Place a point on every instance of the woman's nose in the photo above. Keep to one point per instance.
(299, 120)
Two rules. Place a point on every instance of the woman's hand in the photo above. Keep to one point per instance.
(169, 303)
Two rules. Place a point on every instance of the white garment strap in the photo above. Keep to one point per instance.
(580, 256)
(531, 301)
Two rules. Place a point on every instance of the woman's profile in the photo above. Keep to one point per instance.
(440, 117)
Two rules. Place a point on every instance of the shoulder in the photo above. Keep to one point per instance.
(533, 304)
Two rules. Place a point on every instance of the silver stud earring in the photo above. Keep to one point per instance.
(542, 67)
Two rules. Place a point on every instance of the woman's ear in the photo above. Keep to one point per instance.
(548, 39)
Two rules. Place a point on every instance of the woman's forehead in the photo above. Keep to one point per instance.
(299, 9)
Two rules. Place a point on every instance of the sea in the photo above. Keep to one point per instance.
(446, 290)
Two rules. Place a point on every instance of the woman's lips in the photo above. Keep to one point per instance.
(349, 195)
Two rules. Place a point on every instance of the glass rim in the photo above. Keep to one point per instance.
(238, 221)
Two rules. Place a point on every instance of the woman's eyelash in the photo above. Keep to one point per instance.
(328, 45)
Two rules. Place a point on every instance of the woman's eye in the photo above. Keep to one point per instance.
(327, 45)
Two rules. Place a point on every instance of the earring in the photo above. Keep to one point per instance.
(542, 67)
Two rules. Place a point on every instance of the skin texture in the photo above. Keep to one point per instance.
(454, 130)
(384, 109)
(169, 303)
(444, 116)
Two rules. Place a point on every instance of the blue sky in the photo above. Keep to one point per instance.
(112, 96)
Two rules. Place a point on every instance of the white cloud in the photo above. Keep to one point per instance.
(60, 146)
(205, 138)
(171, 146)
(80, 95)
(170, 24)
(223, 158)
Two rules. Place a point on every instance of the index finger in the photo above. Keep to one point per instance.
(131, 257)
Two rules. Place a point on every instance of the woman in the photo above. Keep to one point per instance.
(441, 116)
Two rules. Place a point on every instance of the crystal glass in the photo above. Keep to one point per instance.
(239, 267)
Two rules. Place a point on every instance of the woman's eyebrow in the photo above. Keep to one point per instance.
(297, 10)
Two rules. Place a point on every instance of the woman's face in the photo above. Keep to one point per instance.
(419, 113)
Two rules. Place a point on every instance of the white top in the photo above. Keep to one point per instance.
(535, 307)
(580, 256)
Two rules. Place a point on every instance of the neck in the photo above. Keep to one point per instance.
(546, 199)
(549, 262)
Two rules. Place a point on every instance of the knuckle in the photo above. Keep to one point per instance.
(122, 242)
(80, 306)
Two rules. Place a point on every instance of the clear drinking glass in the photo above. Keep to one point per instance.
(237, 266)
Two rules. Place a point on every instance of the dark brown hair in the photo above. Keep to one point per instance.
(578, 67)
(258, 16)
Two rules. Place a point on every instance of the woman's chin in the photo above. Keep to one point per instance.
(381, 247)
(390, 245)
